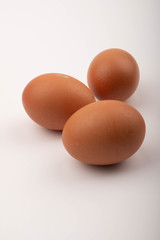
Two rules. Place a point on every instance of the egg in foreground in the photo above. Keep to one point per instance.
(50, 99)
(104, 132)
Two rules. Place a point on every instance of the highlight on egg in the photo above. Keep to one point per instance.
(104, 132)
(50, 99)
(113, 74)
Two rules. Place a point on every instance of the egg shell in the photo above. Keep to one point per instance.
(50, 99)
(104, 132)
(113, 74)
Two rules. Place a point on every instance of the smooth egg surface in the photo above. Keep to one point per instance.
(50, 99)
(113, 74)
(104, 132)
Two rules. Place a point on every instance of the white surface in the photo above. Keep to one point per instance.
(44, 193)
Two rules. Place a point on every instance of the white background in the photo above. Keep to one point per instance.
(44, 193)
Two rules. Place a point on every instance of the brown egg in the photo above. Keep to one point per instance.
(113, 74)
(104, 132)
(50, 99)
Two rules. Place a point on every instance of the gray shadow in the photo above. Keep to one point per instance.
(138, 162)
(141, 97)
(27, 132)
(50, 131)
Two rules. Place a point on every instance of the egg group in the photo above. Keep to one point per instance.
(97, 133)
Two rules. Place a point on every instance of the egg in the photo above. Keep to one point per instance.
(50, 99)
(113, 74)
(104, 132)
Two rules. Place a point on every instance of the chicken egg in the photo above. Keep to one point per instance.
(50, 99)
(104, 132)
(113, 74)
